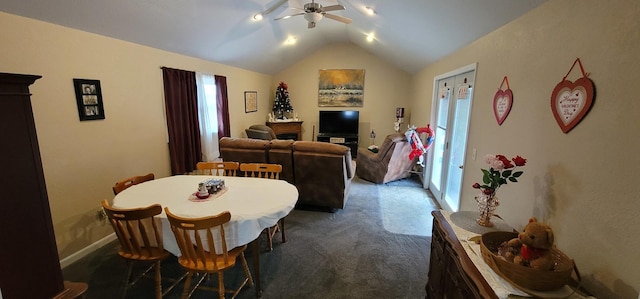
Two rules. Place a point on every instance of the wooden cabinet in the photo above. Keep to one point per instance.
(451, 273)
(28, 254)
(289, 128)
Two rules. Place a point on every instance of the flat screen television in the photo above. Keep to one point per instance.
(338, 122)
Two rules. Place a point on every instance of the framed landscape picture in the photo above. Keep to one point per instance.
(341, 88)
(89, 99)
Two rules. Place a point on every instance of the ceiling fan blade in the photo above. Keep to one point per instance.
(333, 7)
(286, 17)
(338, 18)
(273, 7)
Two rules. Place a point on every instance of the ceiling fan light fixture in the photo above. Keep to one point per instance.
(313, 16)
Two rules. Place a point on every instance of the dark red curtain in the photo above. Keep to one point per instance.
(181, 102)
(223, 107)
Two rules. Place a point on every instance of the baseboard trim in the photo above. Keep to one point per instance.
(87, 250)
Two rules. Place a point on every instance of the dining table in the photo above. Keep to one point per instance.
(254, 203)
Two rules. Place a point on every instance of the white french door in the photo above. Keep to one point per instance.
(452, 110)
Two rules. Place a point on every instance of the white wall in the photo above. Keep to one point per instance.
(582, 183)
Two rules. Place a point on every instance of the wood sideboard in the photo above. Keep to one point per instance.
(286, 127)
(451, 273)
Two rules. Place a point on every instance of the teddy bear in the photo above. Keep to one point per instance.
(532, 246)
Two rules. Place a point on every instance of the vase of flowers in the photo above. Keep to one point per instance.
(501, 171)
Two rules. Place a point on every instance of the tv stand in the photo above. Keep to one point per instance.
(348, 140)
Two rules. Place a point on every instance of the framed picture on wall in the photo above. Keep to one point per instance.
(250, 101)
(341, 88)
(89, 99)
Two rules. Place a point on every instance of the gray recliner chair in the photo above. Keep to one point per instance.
(260, 132)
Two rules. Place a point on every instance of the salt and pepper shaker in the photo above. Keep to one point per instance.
(202, 190)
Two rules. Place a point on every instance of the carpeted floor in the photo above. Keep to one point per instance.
(377, 247)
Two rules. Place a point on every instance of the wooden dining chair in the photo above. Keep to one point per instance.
(140, 237)
(269, 171)
(261, 170)
(217, 168)
(204, 251)
(128, 182)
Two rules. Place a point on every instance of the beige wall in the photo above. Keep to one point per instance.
(582, 183)
(385, 88)
(82, 160)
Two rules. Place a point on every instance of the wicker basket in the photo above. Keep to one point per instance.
(521, 276)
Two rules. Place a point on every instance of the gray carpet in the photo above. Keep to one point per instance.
(377, 247)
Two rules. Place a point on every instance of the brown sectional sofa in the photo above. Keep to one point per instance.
(321, 171)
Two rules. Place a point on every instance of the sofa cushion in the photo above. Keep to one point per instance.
(244, 150)
(246, 143)
(281, 152)
(321, 147)
(322, 173)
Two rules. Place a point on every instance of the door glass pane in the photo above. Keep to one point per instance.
(438, 145)
(443, 111)
(457, 152)
(438, 154)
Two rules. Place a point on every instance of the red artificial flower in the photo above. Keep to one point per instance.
(505, 161)
(520, 161)
(501, 171)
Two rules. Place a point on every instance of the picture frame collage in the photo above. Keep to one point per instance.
(89, 99)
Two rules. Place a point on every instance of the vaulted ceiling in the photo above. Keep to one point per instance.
(409, 34)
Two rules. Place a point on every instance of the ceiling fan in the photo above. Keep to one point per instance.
(314, 12)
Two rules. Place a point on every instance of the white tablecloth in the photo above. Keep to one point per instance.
(254, 204)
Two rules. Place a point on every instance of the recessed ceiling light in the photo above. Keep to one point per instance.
(370, 10)
(291, 40)
(257, 17)
(371, 37)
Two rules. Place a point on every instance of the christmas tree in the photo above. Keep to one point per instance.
(281, 104)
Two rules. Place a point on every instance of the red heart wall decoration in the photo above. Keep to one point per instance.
(571, 101)
(502, 102)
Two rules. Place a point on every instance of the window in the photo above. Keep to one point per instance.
(208, 116)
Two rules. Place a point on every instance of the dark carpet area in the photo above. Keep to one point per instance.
(345, 254)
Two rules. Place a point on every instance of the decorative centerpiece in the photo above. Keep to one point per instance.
(501, 172)
(209, 187)
(214, 185)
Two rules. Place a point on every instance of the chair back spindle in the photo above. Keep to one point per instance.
(261, 170)
(217, 168)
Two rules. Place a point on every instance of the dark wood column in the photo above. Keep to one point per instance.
(28, 254)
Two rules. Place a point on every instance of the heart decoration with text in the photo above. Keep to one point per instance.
(571, 101)
(502, 102)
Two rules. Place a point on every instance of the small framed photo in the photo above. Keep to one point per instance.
(89, 98)
(250, 101)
